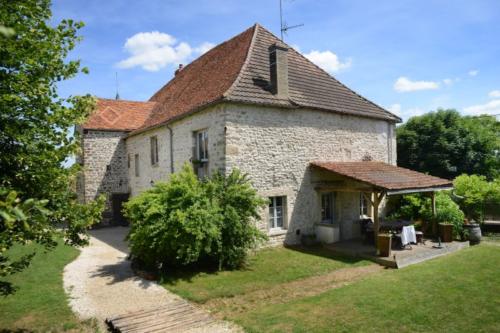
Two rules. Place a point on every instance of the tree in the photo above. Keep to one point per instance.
(474, 193)
(35, 131)
(446, 144)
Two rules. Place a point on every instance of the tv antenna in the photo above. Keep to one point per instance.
(117, 97)
(284, 27)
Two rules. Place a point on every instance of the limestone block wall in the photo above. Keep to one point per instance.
(275, 147)
(104, 166)
(211, 119)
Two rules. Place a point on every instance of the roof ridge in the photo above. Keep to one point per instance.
(121, 100)
(256, 27)
(337, 81)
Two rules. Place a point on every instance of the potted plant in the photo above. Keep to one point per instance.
(384, 241)
(446, 232)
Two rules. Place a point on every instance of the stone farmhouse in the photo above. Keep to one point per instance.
(323, 155)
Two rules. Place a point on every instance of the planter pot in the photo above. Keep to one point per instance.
(446, 232)
(474, 233)
(384, 245)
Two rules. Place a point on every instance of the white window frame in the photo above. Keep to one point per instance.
(154, 150)
(364, 204)
(330, 197)
(273, 211)
(136, 165)
(201, 145)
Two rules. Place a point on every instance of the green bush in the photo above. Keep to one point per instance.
(473, 192)
(187, 221)
(418, 206)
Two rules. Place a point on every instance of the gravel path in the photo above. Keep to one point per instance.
(101, 283)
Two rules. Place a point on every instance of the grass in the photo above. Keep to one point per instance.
(455, 293)
(267, 268)
(40, 304)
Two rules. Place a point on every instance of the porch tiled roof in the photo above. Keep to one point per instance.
(118, 115)
(384, 176)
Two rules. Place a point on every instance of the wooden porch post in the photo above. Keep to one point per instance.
(376, 221)
(433, 205)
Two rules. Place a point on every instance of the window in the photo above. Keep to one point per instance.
(327, 208)
(200, 153)
(201, 146)
(154, 150)
(136, 164)
(276, 212)
(364, 205)
(128, 161)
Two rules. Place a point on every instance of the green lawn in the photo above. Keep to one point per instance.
(456, 293)
(40, 304)
(266, 268)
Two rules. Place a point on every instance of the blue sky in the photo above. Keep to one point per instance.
(407, 56)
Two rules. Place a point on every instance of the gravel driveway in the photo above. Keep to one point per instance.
(101, 284)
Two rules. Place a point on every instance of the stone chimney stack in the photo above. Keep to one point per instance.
(278, 58)
(181, 66)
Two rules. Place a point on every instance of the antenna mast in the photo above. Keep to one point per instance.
(117, 97)
(284, 27)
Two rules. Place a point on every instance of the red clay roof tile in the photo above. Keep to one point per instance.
(383, 175)
(118, 115)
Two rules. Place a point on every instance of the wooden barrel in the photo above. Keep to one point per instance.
(474, 233)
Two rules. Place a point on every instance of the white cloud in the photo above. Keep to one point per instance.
(494, 94)
(395, 108)
(473, 72)
(155, 50)
(328, 60)
(492, 107)
(448, 81)
(403, 84)
(204, 47)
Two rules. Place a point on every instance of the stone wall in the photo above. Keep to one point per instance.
(211, 119)
(275, 147)
(104, 167)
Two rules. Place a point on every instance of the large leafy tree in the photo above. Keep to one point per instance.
(36, 131)
(446, 144)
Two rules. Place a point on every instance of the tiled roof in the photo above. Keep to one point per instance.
(118, 115)
(238, 70)
(383, 175)
(203, 81)
(309, 86)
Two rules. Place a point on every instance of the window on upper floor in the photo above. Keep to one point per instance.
(136, 165)
(200, 153)
(128, 161)
(154, 150)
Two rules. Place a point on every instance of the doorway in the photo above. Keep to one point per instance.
(117, 201)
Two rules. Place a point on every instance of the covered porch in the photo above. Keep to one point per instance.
(374, 182)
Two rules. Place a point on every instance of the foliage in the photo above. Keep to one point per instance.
(186, 221)
(419, 207)
(446, 144)
(35, 129)
(23, 222)
(474, 192)
(41, 304)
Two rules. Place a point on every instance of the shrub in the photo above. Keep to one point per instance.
(187, 221)
(418, 206)
(474, 192)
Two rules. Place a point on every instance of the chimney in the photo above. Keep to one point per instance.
(278, 59)
(179, 69)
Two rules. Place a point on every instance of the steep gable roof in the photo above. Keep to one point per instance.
(238, 71)
(118, 115)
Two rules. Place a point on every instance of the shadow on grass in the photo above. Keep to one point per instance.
(186, 274)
